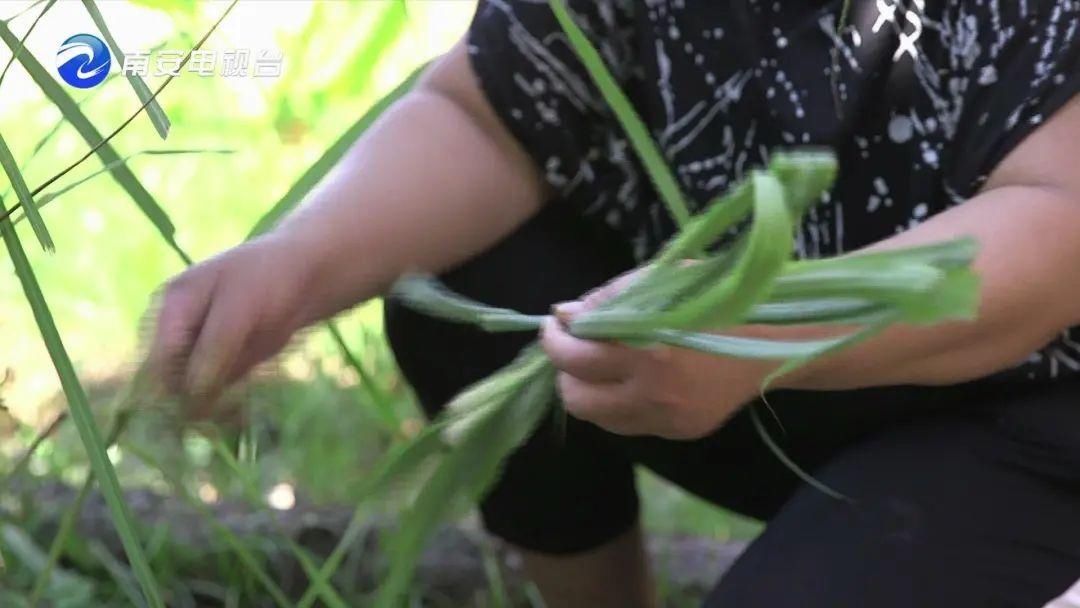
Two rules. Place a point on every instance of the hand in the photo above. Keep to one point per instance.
(220, 318)
(657, 390)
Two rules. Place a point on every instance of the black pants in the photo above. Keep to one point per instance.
(963, 496)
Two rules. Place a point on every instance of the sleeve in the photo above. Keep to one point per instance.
(543, 94)
(1013, 65)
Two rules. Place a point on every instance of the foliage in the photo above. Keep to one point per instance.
(323, 428)
(669, 301)
(117, 165)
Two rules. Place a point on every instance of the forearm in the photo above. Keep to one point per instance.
(1028, 253)
(435, 181)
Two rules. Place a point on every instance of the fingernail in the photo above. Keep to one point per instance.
(564, 311)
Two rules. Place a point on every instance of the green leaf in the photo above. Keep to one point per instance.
(83, 419)
(946, 255)
(708, 226)
(384, 32)
(655, 164)
(427, 295)
(48, 197)
(769, 245)
(22, 42)
(825, 310)
(727, 299)
(11, 168)
(380, 401)
(402, 464)
(251, 492)
(466, 473)
(153, 108)
(108, 155)
(743, 348)
(897, 284)
(480, 400)
(67, 521)
(247, 559)
(330, 157)
(872, 329)
(63, 585)
(120, 574)
(806, 175)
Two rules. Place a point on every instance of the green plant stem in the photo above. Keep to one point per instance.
(384, 411)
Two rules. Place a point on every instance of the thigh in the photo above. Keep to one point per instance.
(735, 467)
(973, 509)
(560, 492)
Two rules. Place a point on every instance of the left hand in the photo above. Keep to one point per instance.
(659, 390)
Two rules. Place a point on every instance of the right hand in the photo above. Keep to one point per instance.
(222, 317)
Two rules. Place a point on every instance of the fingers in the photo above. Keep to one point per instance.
(183, 306)
(219, 344)
(585, 359)
(604, 405)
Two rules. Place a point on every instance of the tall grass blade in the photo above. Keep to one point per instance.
(121, 173)
(52, 195)
(385, 31)
(640, 138)
(11, 168)
(23, 11)
(67, 521)
(402, 464)
(153, 108)
(22, 41)
(768, 246)
(120, 574)
(251, 492)
(380, 401)
(247, 559)
(83, 419)
(65, 585)
(462, 476)
(330, 157)
(743, 348)
(63, 531)
(70, 109)
(427, 295)
(867, 332)
(705, 228)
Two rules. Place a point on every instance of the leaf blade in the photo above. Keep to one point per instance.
(11, 168)
(79, 408)
(123, 176)
(153, 109)
(310, 178)
(655, 164)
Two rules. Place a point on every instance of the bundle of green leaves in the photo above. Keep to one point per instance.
(684, 304)
(700, 283)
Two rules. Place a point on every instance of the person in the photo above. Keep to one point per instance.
(505, 172)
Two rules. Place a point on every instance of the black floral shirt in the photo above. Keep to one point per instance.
(920, 99)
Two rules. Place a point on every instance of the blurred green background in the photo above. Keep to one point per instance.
(305, 432)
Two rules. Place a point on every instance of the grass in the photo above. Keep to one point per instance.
(284, 433)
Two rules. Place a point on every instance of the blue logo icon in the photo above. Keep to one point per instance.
(83, 61)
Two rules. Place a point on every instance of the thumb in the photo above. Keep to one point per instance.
(566, 311)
